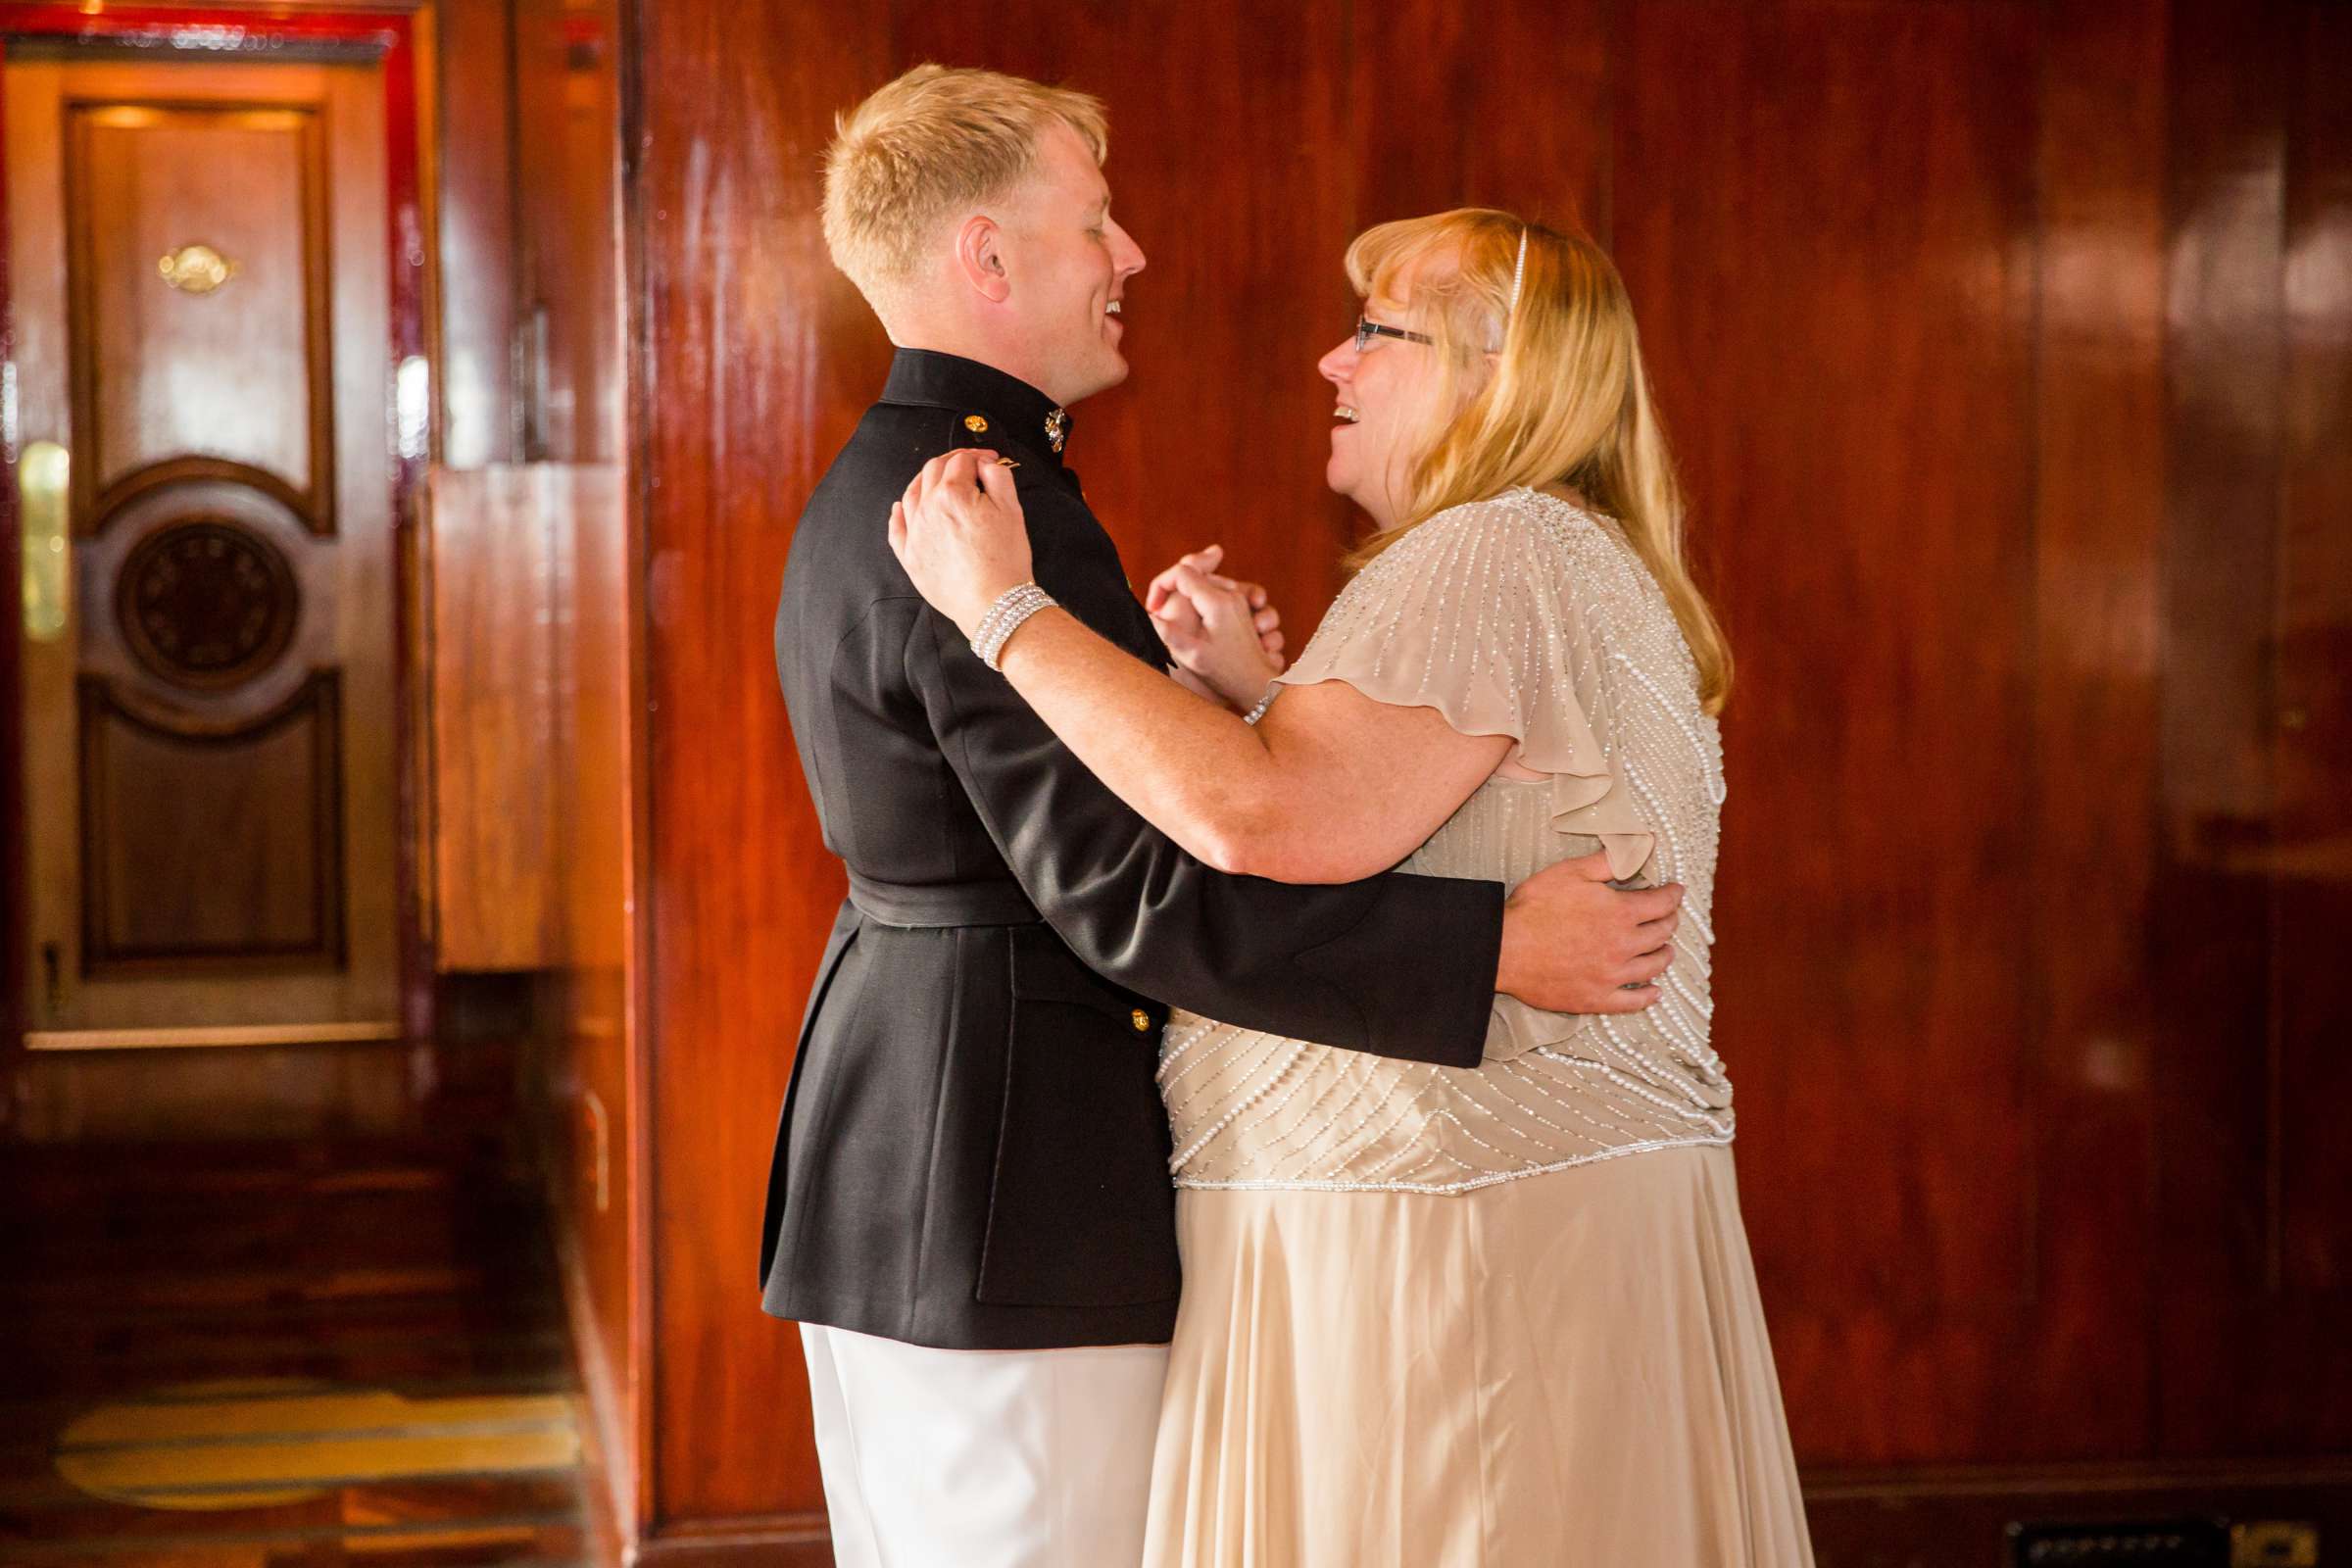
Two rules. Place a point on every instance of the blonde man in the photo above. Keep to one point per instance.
(970, 1208)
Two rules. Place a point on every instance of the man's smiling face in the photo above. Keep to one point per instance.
(1068, 262)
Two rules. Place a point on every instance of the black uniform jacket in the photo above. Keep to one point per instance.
(972, 1152)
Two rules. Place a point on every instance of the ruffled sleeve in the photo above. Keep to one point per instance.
(1476, 613)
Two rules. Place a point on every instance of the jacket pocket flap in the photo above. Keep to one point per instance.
(1045, 971)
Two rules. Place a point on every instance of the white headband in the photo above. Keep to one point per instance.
(1518, 271)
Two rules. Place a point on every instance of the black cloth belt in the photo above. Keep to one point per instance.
(942, 904)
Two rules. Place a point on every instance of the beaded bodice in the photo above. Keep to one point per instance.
(1528, 616)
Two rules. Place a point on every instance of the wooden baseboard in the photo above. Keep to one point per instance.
(1960, 1517)
(779, 1541)
(1944, 1517)
(1955, 1517)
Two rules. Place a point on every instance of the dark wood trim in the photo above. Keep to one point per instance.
(2118, 1477)
(409, 262)
(2242, 1355)
(98, 513)
(254, 29)
(639, 1022)
(13, 890)
(757, 1541)
(1959, 1517)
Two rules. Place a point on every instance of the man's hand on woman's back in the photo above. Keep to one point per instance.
(1571, 943)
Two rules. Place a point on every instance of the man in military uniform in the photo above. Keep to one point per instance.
(969, 1208)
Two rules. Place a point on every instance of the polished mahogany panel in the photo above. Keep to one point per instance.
(1220, 432)
(2216, 1066)
(1503, 107)
(2004, 349)
(2249, 930)
(2312, 909)
(211, 844)
(234, 201)
(755, 361)
(495, 802)
(1846, 373)
(2099, 508)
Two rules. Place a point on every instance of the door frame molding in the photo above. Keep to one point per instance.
(399, 36)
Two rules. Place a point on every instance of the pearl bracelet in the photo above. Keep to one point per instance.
(1013, 606)
(1263, 702)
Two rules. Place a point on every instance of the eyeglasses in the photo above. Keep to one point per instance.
(1366, 329)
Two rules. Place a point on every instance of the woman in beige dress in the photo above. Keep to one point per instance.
(1433, 1317)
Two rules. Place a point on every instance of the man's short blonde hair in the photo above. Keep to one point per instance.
(937, 139)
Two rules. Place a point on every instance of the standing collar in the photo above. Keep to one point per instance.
(1011, 406)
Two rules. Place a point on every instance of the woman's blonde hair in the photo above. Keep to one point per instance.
(1549, 391)
(937, 139)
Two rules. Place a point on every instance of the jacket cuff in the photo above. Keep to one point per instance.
(1432, 1001)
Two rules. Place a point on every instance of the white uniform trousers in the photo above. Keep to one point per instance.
(983, 1459)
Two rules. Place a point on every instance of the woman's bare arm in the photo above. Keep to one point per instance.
(1331, 786)
(1328, 787)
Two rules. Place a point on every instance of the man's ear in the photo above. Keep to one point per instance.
(980, 260)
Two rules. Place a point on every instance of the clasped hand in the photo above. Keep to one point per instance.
(1220, 632)
(960, 533)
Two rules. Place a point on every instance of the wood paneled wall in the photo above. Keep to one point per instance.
(537, 621)
(2005, 346)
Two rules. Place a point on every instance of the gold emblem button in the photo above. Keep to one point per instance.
(975, 423)
(1142, 1020)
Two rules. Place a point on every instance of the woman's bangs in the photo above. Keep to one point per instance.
(1401, 254)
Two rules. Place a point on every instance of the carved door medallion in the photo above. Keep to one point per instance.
(205, 604)
(198, 283)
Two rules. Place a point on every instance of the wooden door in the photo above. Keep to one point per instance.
(197, 277)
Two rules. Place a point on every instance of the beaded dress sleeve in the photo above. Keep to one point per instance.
(1480, 614)
(1475, 613)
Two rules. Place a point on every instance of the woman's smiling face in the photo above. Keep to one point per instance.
(1388, 395)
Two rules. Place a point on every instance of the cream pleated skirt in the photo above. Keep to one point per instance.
(1553, 1372)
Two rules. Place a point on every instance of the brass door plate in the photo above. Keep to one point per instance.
(197, 269)
(2274, 1544)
